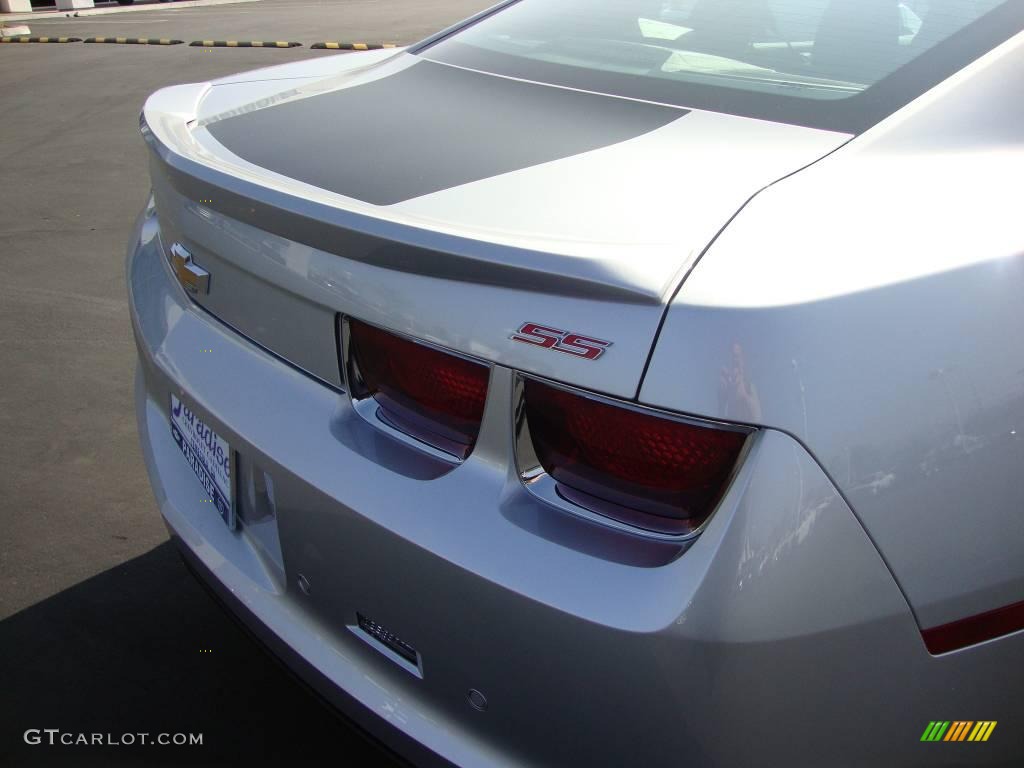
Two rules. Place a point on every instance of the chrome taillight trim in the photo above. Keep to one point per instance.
(542, 486)
(369, 410)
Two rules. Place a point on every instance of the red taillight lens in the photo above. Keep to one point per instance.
(649, 471)
(432, 395)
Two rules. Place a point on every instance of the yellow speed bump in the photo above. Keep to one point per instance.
(243, 44)
(27, 39)
(134, 40)
(354, 46)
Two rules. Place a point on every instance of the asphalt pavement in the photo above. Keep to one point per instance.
(304, 21)
(102, 630)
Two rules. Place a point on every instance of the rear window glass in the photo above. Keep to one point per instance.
(810, 62)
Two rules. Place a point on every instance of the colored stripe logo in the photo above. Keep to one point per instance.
(958, 730)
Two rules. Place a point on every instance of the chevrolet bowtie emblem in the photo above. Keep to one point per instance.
(192, 277)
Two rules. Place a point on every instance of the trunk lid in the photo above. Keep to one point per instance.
(450, 205)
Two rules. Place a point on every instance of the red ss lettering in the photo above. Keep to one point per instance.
(561, 341)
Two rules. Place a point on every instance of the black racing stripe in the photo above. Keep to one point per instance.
(430, 127)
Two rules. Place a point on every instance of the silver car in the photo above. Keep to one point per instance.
(621, 383)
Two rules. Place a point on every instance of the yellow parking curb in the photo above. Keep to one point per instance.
(27, 39)
(353, 46)
(243, 44)
(134, 40)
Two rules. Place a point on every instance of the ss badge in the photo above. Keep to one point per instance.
(568, 342)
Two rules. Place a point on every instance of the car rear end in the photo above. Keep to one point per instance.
(484, 622)
(399, 433)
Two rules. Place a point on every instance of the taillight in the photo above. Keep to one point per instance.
(630, 464)
(433, 396)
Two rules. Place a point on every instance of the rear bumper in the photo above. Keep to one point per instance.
(761, 642)
(373, 727)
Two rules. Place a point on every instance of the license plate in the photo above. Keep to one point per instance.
(208, 454)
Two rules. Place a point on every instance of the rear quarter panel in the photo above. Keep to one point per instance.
(871, 307)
